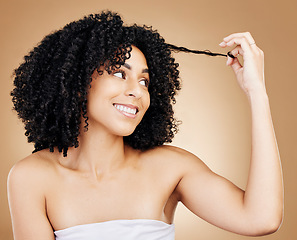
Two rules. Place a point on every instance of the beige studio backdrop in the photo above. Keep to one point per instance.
(214, 111)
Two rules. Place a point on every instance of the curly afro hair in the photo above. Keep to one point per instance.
(51, 85)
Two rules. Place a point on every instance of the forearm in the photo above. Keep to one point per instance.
(263, 199)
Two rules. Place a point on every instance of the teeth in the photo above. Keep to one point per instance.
(126, 109)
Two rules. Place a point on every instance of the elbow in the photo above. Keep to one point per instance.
(274, 222)
(272, 227)
(268, 226)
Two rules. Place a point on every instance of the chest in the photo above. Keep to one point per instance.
(77, 200)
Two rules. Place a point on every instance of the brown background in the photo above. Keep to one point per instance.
(214, 111)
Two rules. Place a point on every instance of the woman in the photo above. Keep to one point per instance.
(96, 99)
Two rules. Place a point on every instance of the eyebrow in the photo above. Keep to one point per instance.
(126, 65)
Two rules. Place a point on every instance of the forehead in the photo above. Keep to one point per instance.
(137, 58)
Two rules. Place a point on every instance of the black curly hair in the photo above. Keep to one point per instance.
(51, 85)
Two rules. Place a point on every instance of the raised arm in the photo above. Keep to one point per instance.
(259, 209)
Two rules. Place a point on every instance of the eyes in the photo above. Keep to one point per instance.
(122, 74)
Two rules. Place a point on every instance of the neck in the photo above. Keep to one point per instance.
(99, 152)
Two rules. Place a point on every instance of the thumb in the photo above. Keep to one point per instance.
(235, 64)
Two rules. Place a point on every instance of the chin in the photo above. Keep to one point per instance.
(124, 132)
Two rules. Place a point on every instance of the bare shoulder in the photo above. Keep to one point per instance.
(175, 155)
(32, 169)
(177, 158)
(27, 184)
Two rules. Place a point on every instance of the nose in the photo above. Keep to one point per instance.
(133, 88)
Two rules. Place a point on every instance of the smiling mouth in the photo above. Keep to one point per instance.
(126, 109)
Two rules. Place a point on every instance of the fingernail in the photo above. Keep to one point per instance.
(222, 44)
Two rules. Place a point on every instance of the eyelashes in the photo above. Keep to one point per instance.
(145, 82)
(122, 74)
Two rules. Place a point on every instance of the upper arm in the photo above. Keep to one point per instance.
(212, 197)
(27, 203)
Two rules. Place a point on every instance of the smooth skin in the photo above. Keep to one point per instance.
(103, 179)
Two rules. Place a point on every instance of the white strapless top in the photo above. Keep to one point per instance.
(136, 229)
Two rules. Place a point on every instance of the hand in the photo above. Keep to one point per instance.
(250, 75)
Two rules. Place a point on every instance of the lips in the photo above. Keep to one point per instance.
(126, 109)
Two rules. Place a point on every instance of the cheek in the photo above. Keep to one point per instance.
(104, 88)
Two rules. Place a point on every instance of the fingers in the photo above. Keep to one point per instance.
(235, 64)
(245, 46)
(246, 35)
(235, 52)
(245, 40)
(240, 41)
(251, 69)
